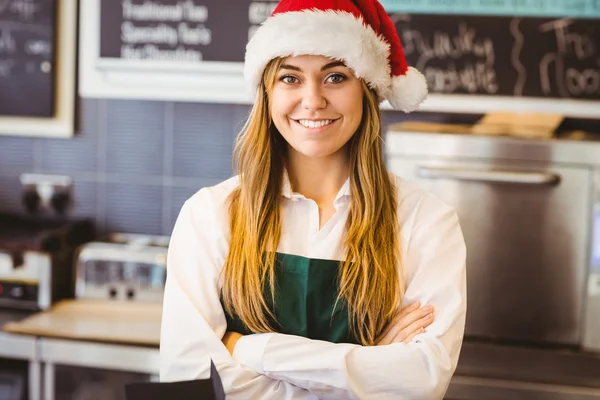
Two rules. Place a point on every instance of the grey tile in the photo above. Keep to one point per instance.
(133, 208)
(84, 199)
(178, 196)
(135, 137)
(77, 154)
(10, 194)
(240, 116)
(203, 140)
(16, 153)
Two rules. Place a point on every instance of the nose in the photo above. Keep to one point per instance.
(313, 98)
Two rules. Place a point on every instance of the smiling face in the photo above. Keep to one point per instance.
(316, 104)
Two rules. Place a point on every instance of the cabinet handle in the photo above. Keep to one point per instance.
(493, 176)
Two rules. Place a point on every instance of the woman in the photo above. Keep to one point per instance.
(303, 277)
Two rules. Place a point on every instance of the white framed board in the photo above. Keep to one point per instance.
(193, 50)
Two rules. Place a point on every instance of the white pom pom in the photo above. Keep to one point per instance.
(408, 91)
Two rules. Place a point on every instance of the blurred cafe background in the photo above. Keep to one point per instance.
(113, 113)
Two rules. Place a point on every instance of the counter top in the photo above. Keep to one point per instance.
(96, 321)
(86, 333)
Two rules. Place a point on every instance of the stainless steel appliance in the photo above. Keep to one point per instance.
(530, 213)
(123, 267)
(36, 259)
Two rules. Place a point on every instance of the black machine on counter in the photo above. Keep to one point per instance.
(36, 259)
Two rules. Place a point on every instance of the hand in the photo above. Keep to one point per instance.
(408, 323)
(230, 340)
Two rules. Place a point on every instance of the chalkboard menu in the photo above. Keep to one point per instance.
(179, 30)
(521, 57)
(477, 55)
(27, 42)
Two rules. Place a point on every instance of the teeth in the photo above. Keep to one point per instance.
(314, 124)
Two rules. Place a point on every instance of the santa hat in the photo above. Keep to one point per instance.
(358, 32)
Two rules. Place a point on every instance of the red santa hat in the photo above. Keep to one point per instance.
(358, 32)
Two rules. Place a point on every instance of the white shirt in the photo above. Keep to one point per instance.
(278, 366)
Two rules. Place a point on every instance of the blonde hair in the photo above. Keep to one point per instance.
(369, 283)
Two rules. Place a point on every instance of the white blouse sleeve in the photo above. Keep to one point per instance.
(435, 262)
(193, 320)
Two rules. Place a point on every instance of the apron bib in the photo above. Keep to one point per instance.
(305, 295)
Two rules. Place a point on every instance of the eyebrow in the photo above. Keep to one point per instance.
(325, 67)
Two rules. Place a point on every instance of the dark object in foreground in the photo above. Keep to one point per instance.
(199, 389)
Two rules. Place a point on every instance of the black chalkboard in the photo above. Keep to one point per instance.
(179, 30)
(27, 57)
(521, 57)
(479, 55)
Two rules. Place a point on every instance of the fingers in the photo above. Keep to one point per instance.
(413, 328)
(386, 333)
(409, 321)
(405, 323)
(412, 335)
(230, 339)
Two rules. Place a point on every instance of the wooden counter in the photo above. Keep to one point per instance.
(95, 320)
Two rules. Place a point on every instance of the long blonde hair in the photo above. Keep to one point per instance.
(369, 283)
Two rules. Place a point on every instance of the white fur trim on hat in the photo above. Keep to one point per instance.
(335, 34)
(408, 91)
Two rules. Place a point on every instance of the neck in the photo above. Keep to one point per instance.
(319, 179)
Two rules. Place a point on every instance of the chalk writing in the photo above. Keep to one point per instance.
(515, 59)
(155, 11)
(26, 8)
(7, 42)
(523, 57)
(38, 47)
(462, 54)
(27, 29)
(570, 80)
(443, 49)
(149, 26)
(257, 14)
(153, 52)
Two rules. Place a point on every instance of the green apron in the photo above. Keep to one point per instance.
(306, 291)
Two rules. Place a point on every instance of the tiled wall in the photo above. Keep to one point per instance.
(133, 163)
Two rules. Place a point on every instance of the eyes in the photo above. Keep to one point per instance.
(334, 78)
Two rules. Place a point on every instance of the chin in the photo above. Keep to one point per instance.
(316, 153)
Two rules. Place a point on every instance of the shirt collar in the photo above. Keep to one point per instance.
(342, 197)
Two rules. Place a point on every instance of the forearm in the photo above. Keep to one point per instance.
(186, 356)
(421, 369)
(239, 381)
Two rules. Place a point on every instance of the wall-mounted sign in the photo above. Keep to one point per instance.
(193, 50)
(37, 67)
(168, 49)
(483, 63)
